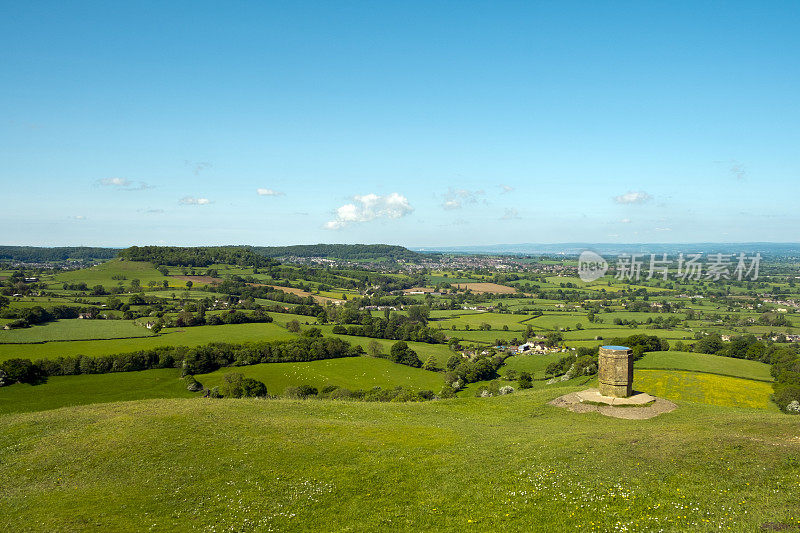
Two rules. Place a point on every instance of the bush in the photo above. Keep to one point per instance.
(786, 394)
(525, 380)
(340, 394)
(300, 392)
(192, 385)
(430, 364)
(22, 371)
(235, 385)
(506, 389)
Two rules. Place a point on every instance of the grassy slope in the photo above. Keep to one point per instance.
(62, 391)
(103, 273)
(682, 386)
(349, 372)
(169, 337)
(67, 330)
(510, 463)
(696, 362)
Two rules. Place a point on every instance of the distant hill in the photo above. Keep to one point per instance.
(263, 255)
(34, 254)
(767, 249)
(351, 252)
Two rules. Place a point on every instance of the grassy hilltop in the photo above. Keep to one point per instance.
(511, 463)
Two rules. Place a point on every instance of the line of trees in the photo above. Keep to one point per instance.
(194, 360)
(202, 256)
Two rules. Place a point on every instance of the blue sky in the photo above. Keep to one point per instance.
(412, 123)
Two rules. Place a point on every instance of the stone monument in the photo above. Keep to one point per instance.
(615, 372)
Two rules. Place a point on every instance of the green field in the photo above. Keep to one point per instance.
(71, 330)
(349, 372)
(533, 363)
(705, 363)
(65, 391)
(103, 274)
(194, 336)
(681, 387)
(511, 463)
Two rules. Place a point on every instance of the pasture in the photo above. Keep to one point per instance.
(724, 391)
(193, 336)
(67, 391)
(75, 330)
(511, 463)
(698, 362)
(348, 372)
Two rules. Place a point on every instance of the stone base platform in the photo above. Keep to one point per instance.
(640, 406)
(594, 396)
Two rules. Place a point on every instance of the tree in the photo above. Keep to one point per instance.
(430, 364)
(525, 380)
(419, 313)
(293, 326)
(453, 361)
(21, 371)
(402, 354)
(189, 285)
(374, 348)
(235, 385)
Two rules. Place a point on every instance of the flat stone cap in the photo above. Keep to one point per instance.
(616, 348)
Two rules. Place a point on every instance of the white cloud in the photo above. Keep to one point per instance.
(625, 221)
(123, 184)
(663, 229)
(78, 217)
(370, 207)
(268, 192)
(456, 198)
(506, 188)
(191, 200)
(510, 214)
(633, 198)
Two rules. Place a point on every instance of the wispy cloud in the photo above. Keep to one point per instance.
(457, 198)
(191, 200)
(268, 192)
(506, 188)
(197, 166)
(625, 221)
(123, 184)
(632, 197)
(738, 170)
(370, 207)
(510, 214)
(152, 211)
(78, 217)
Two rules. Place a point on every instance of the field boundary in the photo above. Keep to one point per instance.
(78, 340)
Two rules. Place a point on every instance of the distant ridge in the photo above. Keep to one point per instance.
(575, 248)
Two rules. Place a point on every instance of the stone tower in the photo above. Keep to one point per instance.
(616, 371)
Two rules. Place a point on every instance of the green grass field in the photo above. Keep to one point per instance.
(65, 391)
(103, 274)
(71, 330)
(194, 336)
(511, 463)
(349, 372)
(680, 387)
(705, 363)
